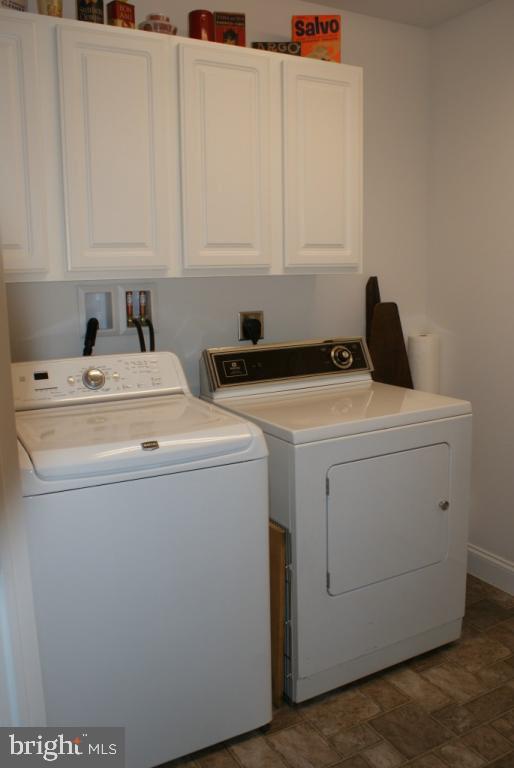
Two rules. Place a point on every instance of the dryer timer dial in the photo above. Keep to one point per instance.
(93, 378)
(342, 357)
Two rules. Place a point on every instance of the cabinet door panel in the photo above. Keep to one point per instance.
(225, 153)
(22, 209)
(380, 528)
(115, 150)
(323, 164)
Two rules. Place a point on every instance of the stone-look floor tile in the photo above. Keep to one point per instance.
(487, 613)
(411, 730)
(456, 717)
(351, 740)
(504, 762)
(477, 652)
(342, 710)
(457, 755)
(504, 634)
(468, 630)
(385, 695)
(354, 762)
(487, 742)
(505, 725)
(219, 758)
(502, 598)
(383, 755)
(433, 658)
(256, 753)
(462, 718)
(476, 590)
(413, 685)
(497, 674)
(285, 716)
(492, 704)
(427, 761)
(456, 682)
(302, 747)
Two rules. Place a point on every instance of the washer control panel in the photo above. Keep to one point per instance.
(78, 379)
(273, 362)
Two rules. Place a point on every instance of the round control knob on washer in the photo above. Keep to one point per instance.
(342, 357)
(94, 378)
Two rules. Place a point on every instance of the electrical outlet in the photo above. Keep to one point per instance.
(253, 315)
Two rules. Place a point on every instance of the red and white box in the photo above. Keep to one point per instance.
(230, 28)
(320, 36)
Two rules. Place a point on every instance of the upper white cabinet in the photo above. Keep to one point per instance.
(115, 148)
(322, 164)
(224, 103)
(23, 233)
(147, 154)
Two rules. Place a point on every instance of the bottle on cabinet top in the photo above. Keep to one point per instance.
(201, 25)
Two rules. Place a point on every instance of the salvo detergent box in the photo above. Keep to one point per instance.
(320, 36)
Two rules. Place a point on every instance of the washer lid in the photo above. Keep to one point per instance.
(90, 440)
(348, 409)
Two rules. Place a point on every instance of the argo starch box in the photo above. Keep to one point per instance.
(292, 49)
(320, 36)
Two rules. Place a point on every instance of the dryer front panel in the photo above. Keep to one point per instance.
(386, 516)
(378, 559)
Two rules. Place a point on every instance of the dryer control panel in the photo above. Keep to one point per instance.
(230, 366)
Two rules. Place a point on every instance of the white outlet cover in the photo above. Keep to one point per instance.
(97, 300)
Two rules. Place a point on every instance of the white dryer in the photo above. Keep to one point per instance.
(147, 519)
(372, 483)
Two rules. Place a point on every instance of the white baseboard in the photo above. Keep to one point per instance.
(491, 568)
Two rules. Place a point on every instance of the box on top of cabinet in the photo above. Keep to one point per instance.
(121, 14)
(320, 36)
(90, 10)
(230, 28)
(289, 48)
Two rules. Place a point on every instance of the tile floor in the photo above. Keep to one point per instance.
(450, 708)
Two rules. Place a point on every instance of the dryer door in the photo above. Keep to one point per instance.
(387, 516)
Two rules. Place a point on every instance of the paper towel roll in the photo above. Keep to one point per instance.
(423, 351)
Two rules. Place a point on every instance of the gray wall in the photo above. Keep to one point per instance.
(192, 313)
(471, 263)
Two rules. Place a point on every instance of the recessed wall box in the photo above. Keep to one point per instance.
(98, 301)
(136, 300)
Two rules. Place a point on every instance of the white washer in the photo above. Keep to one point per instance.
(371, 481)
(147, 520)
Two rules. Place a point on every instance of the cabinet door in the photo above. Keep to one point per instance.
(224, 96)
(323, 164)
(114, 97)
(387, 516)
(22, 209)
